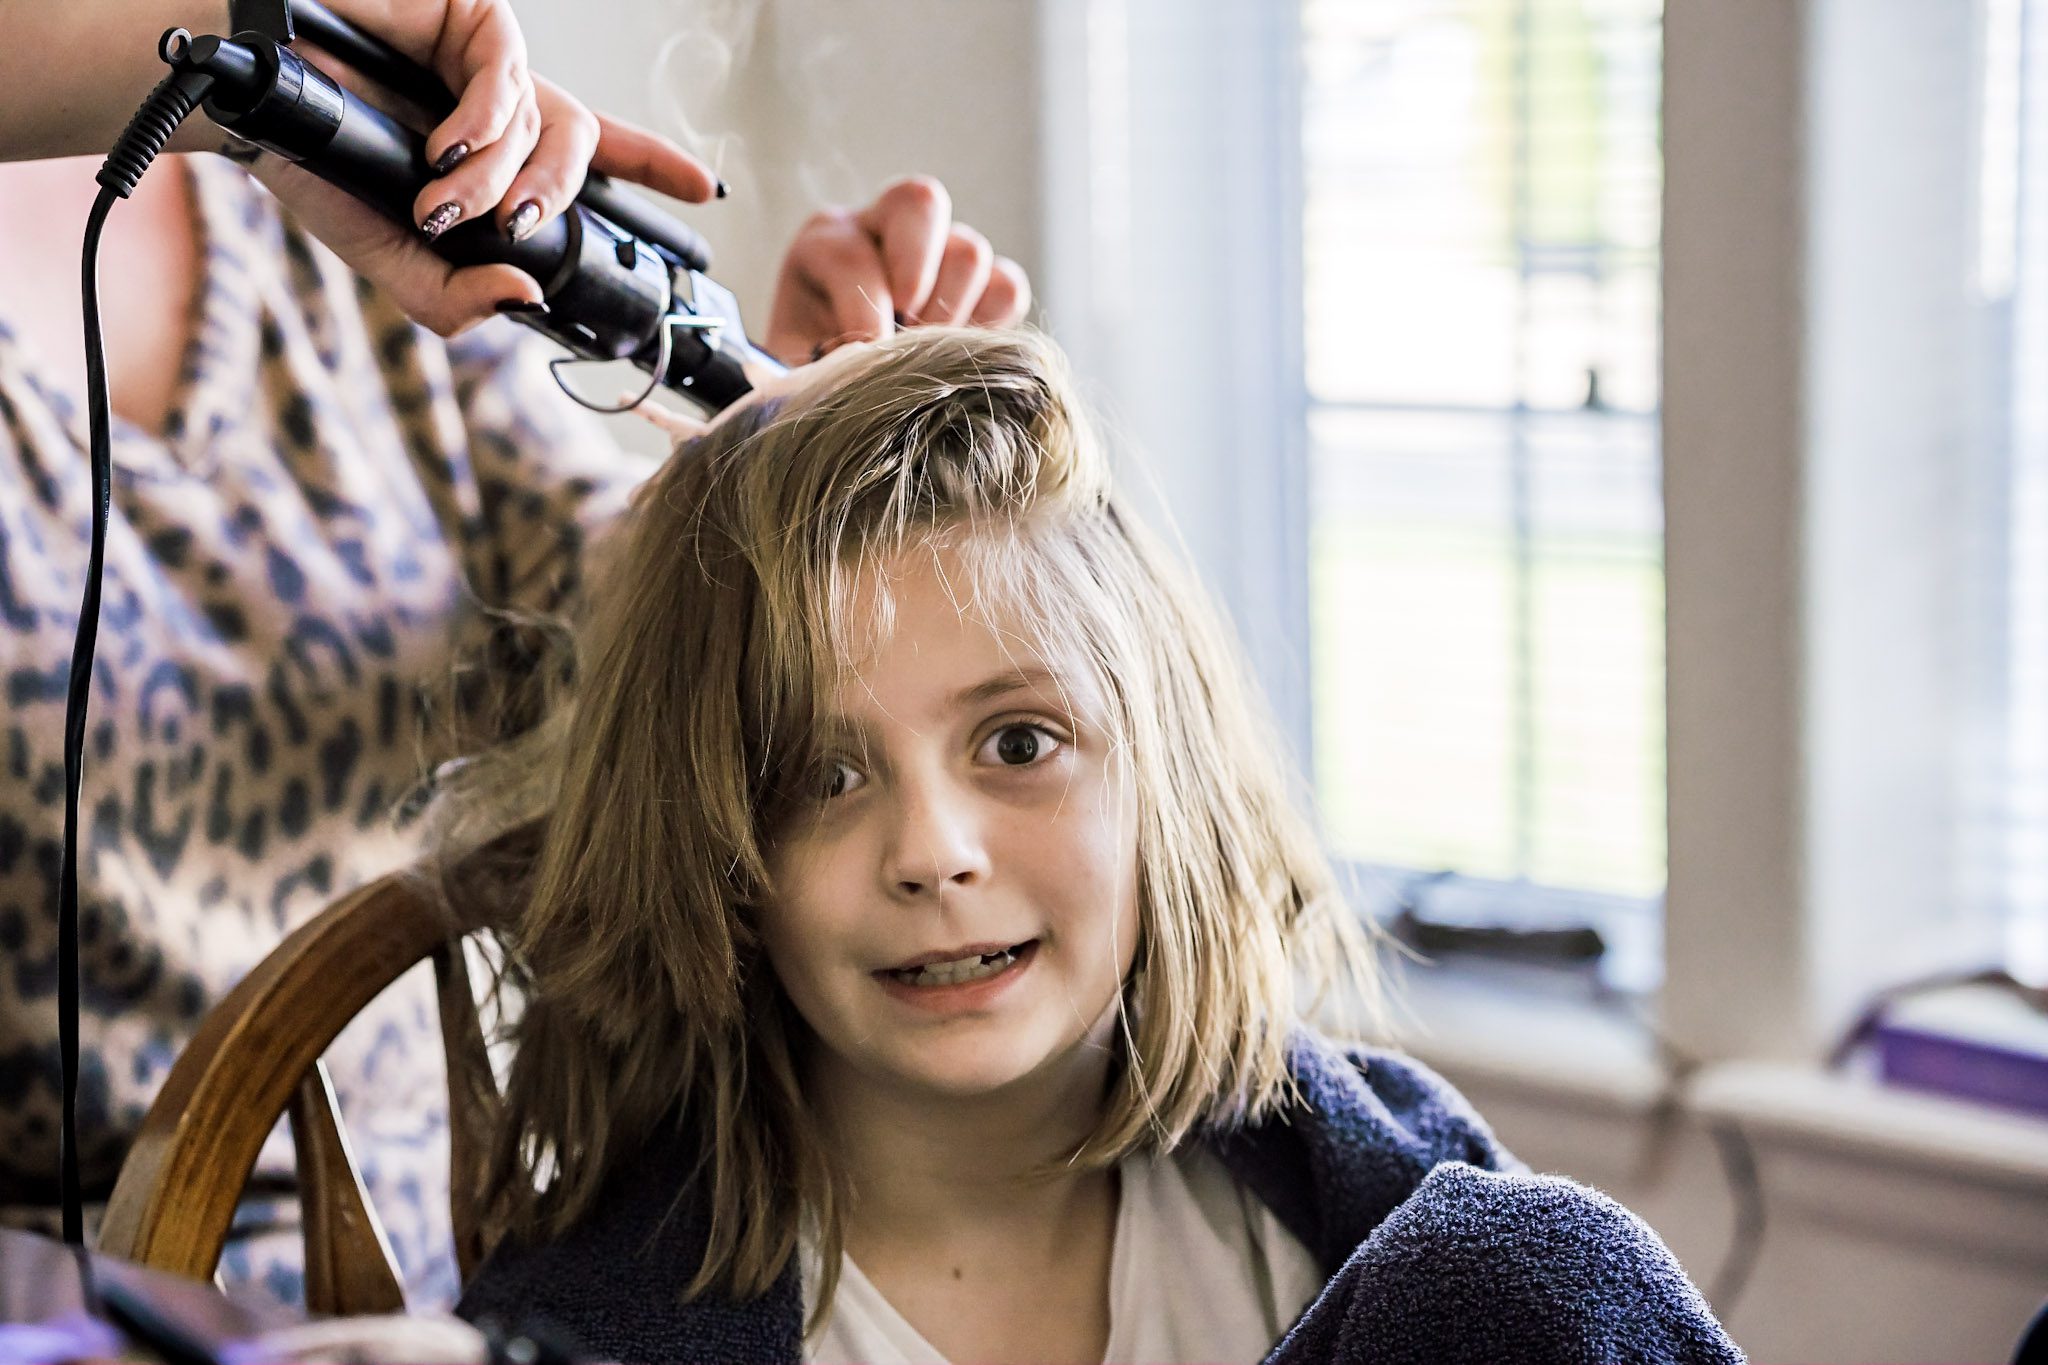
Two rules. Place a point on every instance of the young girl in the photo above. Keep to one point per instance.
(916, 960)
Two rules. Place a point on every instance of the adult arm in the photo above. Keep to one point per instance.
(75, 73)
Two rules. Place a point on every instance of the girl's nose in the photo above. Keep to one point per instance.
(937, 842)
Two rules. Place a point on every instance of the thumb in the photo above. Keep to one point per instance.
(473, 293)
(434, 293)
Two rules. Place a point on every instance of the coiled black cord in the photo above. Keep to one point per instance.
(169, 105)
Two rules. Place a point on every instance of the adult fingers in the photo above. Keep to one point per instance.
(677, 425)
(627, 151)
(908, 223)
(963, 276)
(549, 180)
(430, 290)
(472, 293)
(447, 299)
(478, 184)
(480, 52)
(836, 258)
(1006, 298)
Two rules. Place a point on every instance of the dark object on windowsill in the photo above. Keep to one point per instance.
(1564, 945)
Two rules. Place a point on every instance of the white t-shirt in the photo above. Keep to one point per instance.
(1200, 1271)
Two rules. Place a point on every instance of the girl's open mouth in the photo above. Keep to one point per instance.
(962, 971)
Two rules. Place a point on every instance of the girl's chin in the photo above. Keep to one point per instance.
(973, 1078)
(980, 1068)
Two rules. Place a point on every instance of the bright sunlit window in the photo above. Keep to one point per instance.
(1481, 310)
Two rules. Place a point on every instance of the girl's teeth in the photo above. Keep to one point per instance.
(961, 969)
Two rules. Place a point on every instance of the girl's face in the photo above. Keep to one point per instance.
(960, 913)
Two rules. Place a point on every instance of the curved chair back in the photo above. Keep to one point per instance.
(255, 1056)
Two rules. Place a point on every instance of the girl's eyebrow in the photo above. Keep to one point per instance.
(1037, 679)
(1033, 679)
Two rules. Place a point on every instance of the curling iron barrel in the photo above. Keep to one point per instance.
(611, 294)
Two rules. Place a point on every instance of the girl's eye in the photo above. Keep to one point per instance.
(838, 778)
(1019, 745)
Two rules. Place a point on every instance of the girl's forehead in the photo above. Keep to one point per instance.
(932, 591)
(926, 626)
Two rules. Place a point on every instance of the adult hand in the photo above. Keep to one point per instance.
(901, 261)
(516, 147)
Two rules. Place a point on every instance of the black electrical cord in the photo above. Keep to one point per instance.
(1752, 1214)
(74, 729)
(169, 105)
(1732, 1149)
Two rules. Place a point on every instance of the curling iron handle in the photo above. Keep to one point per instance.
(610, 298)
(384, 163)
(385, 64)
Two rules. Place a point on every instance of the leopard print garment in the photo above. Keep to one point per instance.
(338, 492)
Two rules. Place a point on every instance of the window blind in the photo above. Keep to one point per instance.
(2007, 855)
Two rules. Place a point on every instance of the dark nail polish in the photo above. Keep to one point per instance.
(723, 189)
(444, 216)
(451, 158)
(533, 308)
(523, 221)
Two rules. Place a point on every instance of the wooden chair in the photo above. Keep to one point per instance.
(255, 1056)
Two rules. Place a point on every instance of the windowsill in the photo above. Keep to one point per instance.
(1528, 1030)
(1548, 1038)
(1948, 1137)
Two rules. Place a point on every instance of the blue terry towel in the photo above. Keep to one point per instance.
(1440, 1246)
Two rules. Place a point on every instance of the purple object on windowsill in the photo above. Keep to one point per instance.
(1972, 1044)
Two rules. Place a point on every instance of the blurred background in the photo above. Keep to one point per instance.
(1619, 431)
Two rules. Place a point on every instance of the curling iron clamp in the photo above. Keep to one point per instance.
(622, 280)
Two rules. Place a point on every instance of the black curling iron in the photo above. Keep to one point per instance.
(621, 279)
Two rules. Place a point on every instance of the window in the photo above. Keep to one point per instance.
(1375, 291)
(1480, 277)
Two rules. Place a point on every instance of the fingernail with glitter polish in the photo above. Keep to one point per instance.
(451, 158)
(440, 220)
(523, 221)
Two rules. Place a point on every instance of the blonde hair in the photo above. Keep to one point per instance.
(643, 810)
